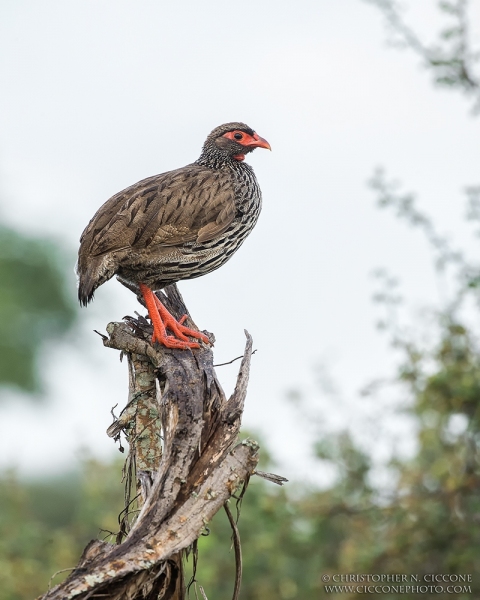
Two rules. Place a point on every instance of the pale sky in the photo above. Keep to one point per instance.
(98, 94)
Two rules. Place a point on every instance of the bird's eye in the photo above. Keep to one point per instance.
(238, 136)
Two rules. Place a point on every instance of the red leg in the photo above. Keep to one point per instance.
(177, 327)
(161, 319)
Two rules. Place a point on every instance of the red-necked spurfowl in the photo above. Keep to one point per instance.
(178, 225)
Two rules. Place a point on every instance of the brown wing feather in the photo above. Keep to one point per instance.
(192, 203)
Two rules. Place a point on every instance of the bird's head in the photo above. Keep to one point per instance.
(233, 141)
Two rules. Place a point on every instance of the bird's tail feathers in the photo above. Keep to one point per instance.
(90, 276)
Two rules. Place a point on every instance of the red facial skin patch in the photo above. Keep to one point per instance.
(245, 139)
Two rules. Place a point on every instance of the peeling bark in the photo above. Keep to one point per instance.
(184, 456)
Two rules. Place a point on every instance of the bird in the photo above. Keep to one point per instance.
(177, 225)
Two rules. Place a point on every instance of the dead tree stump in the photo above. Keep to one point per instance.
(184, 464)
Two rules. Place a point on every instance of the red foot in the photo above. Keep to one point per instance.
(161, 319)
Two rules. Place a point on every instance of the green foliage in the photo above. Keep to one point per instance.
(453, 58)
(44, 526)
(34, 306)
(430, 522)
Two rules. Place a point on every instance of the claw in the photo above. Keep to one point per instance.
(171, 342)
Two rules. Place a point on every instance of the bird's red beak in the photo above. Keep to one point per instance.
(257, 142)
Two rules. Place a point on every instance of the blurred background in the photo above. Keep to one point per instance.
(360, 283)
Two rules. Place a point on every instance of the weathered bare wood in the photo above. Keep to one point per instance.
(182, 480)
